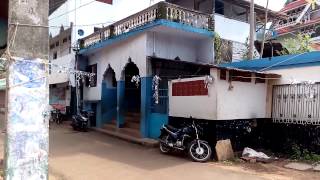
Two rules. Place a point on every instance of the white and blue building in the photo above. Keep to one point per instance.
(169, 40)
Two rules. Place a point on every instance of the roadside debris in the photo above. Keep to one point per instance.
(316, 168)
(253, 156)
(224, 150)
(298, 166)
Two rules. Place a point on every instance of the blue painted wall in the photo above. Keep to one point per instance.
(146, 91)
(156, 122)
(108, 103)
(150, 122)
(121, 103)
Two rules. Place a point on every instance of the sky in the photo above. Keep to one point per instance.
(274, 5)
(98, 12)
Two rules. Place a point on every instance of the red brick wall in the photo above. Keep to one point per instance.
(189, 88)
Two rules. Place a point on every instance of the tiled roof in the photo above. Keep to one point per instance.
(280, 62)
(293, 5)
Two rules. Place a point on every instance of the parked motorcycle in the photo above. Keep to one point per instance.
(56, 116)
(185, 139)
(80, 122)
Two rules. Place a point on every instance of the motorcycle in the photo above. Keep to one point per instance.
(185, 139)
(80, 122)
(56, 116)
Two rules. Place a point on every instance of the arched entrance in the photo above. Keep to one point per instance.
(132, 88)
(109, 96)
(129, 101)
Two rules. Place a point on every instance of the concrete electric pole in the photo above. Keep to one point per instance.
(252, 30)
(26, 151)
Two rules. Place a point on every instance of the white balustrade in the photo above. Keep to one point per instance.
(172, 12)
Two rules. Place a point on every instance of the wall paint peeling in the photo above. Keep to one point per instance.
(27, 128)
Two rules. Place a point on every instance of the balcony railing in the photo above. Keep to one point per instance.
(162, 10)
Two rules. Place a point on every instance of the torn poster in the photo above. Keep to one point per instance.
(27, 128)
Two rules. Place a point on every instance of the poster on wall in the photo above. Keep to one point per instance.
(27, 126)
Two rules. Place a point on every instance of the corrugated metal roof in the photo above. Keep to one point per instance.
(293, 5)
(280, 62)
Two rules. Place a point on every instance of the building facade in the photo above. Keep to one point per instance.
(300, 17)
(62, 59)
(166, 40)
(295, 97)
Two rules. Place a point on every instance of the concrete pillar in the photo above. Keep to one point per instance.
(146, 98)
(27, 137)
(99, 120)
(121, 103)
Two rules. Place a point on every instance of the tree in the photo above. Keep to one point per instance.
(297, 45)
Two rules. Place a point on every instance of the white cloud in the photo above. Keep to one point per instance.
(274, 5)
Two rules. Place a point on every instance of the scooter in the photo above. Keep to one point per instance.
(80, 122)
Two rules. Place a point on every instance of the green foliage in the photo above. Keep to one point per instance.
(218, 48)
(245, 54)
(297, 45)
(299, 153)
(288, 1)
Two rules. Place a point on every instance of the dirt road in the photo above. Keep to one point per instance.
(94, 156)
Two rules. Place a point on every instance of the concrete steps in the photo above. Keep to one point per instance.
(132, 125)
(142, 141)
(131, 132)
(110, 127)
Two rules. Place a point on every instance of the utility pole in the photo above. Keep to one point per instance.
(27, 137)
(264, 30)
(252, 30)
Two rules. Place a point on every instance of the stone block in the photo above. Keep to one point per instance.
(224, 150)
(298, 166)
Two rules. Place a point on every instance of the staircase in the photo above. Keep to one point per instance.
(130, 132)
(131, 126)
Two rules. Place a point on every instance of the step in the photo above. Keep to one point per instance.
(110, 127)
(130, 132)
(131, 118)
(142, 141)
(132, 124)
(132, 114)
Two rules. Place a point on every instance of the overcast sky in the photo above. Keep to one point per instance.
(123, 8)
(98, 12)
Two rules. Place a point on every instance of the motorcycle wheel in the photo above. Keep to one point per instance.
(163, 147)
(200, 153)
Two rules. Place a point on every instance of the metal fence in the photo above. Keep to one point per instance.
(296, 104)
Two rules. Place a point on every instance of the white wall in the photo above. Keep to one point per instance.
(244, 101)
(311, 73)
(199, 107)
(67, 61)
(230, 29)
(117, 56)
(171, 45)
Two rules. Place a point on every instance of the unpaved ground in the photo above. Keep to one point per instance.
(94, 156)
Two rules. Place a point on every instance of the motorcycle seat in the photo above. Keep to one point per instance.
(171, 128)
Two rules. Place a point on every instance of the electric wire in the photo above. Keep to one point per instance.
(86, 4)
